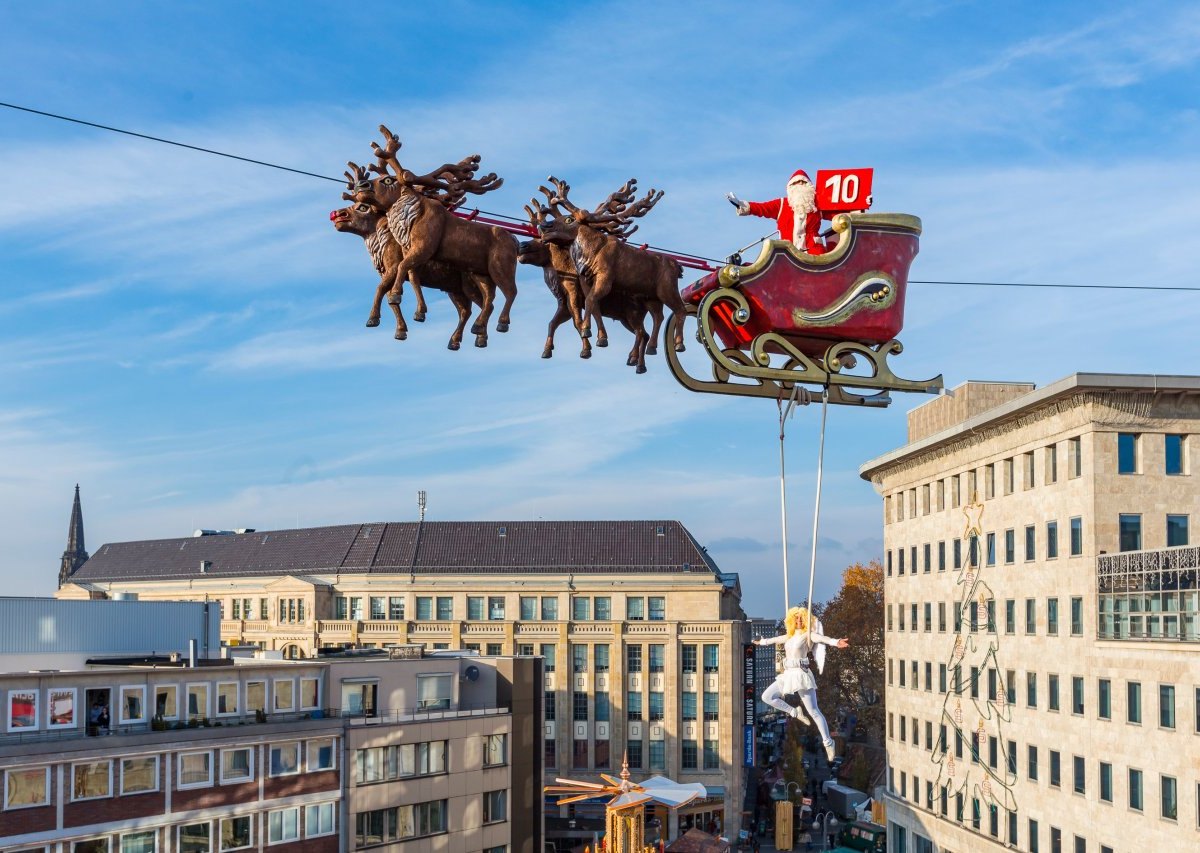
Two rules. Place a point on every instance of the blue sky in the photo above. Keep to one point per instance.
(183, 335)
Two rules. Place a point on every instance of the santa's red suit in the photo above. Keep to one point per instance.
(780, 209)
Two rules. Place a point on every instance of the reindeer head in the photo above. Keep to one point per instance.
(361, 217)
(612, 217)
(448, 184)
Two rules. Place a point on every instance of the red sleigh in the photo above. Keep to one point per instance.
(791, 318)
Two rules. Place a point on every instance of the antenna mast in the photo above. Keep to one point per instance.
(421, 504)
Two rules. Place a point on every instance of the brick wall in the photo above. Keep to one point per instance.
(300, 783)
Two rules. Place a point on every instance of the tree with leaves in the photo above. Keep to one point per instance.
(856, 674)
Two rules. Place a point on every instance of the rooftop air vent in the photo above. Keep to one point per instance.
(503, 531)
(205, 565)
(660, 530)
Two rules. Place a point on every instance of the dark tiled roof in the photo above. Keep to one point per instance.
(431, 547)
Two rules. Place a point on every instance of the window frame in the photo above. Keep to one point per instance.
(282, 839)
(187, 786)
(157, 775)
(279, 745)
(45, 788)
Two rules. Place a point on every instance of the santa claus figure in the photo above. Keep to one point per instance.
(796, 213)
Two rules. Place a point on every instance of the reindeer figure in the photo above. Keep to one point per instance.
(418, 218)
(370, 223)
(564, 283)
(609, 265)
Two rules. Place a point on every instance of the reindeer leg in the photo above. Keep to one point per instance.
(419, 311)
(560, 317)
(385, 284)
(487, 292)
(656, 313)
(401, 326)
(596, 293)
(572, 289)
(502, 268)
(463, 306)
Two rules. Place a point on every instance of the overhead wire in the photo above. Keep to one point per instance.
(270, 165)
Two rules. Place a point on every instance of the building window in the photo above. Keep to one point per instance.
(283, 825)
(474, 607)
(579, 707)
(1051, 464)
(900, 558)
(711, 713)
(378, 607)
(495, 611)
(1133, 702)
(1010, 546)
(1029, 479)
(688, 706)
(1135, 789)
(1166, 706)
(689, 756)
(1106, 794)
(991, 549)
(658, 607)
(1031, 689)
(237, 765)
(197, 701)
(1052, 692)
(1127, 453)
(581, 608)
(633, 705)
(712, 755)
(635, 608)
(1051, 540)
(600, 657)
(1104, 699)
(527, 605)
(657, 657)
(1009, 476)
(1055, 769)
(495, 806)
(549, 608)
(319, 820)
(942, 617)
(1076, 616)
(548, 655)
(1177, 530)
(656, 705)
(434, 692)
(711, 657)
(285, 758)
(424, 608)
(942, 556)
(600, 753)
(958, 553)
(1076, 536)
(634, 750)
(633, 659)
(1051, 615)
(1170, 797)
(549, 753)
(445, 608)
(1130, 532)
(1173, 454)
(195, 838)
(688, 657)
(321, 754)
(1078, 769)
(602, 608)
(579, 657)
(227, 698)
(1010, 616)
(396, 608)
(1031, 762)
(928, 555)
(195, 769)
(658, 755)
(138, 775)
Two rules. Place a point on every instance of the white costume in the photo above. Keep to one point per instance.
(797, 678)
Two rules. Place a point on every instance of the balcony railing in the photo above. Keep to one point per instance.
(1149, 595)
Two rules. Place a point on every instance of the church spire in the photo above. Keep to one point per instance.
(75, 555)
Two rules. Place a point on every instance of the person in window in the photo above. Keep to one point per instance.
(798, 643)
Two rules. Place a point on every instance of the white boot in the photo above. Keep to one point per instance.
(831, 751)
(799, 714)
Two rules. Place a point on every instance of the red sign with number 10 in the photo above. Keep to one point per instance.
(839, 190)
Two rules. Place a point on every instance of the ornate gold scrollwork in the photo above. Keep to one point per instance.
(765, 380)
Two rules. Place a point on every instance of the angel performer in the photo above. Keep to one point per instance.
(796, 677)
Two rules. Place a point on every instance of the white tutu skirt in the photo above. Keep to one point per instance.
(795, 679)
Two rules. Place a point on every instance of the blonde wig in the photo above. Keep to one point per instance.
(796, 620)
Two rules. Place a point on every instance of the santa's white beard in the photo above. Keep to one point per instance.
(802, 198)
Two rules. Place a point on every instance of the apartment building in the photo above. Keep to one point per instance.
(640, 633)
(391, 751)
(1082, 643)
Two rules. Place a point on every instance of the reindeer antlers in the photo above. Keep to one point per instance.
(611, 216)
(361, 175)
(447, 184)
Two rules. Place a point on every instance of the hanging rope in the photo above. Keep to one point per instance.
(799, 397)
(812, 565)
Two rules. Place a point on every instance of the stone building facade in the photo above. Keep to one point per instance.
(640, 632)
(1092, 613)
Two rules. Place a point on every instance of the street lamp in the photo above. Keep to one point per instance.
(828, 822)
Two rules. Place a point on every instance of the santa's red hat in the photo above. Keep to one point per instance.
(797, 175)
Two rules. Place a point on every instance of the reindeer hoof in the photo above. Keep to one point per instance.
(453, 345)
(419, 316)
(651, 350)
(587, 353)
(502, 326)
(477, 328)
(481, 341)
(401, 335)
(547, 353)
(631, 361)
(372, 322)
(679, 347)
(641, 368)
(601, 342)
(585, 333)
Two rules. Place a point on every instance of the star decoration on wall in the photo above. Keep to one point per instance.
(974, 513)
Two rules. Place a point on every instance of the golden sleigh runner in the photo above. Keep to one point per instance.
(793, 319)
